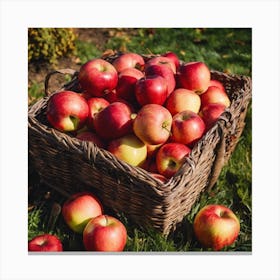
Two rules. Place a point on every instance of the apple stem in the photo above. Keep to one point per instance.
(165, 125)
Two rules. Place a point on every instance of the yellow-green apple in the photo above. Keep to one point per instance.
(214, 95)
(152, 124)
(161, 60)
(126, 84)
(194, 76)
(182, 99)
(67, 111)
(165, 72)
(151, 90)
(95, 104)
(128, 60)
(79, 208)
(114, 121)
(173, 56)
(170, 158)
(187, 128)
(128, 148)
(216, 226)
(92, 137)
(105, 233)
(45, 243)
(210, 113)
(97, 77)
(218, 84)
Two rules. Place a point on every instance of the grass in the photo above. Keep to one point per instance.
(227, 50)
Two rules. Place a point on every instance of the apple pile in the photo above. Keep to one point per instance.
(147, 112)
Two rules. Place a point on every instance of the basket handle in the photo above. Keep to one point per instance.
(66, 71)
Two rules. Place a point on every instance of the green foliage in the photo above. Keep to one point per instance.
(49, 44)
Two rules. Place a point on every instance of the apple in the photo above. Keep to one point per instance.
(214, 95)
(162, 60)
(92, 137)
(187, 128)
(105, 233)
(128, 60)
(95, 104)
(218, 84)
(194, 76)
(79, 208)
(126, 84)
(165, 72)
(159, 177)
(173, 56)
(97, 77)
(151, 90)
(45, 243)
(211, 113)
(216, 226)
(170, 158)
(129, 148)
(152, 124)
(152, 149)
(150, 165)
(114, 121)
(67, 111)
(182, 99)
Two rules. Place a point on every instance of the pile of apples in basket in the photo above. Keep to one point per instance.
(148, 113)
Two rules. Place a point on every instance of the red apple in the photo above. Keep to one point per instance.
(187, 128)
(67, 111)
(152, 149)
(45, 243)
(218, 84)
(151, 90)
(79, 209)
(92, 137)
(114, 121)
(162, 60)
(214, 95)
(95, 104)
(165, 72)
(152, 124)
(105, 233)
(211, 113)
(216, 226)
(128, 60)
(183, 99)
(170, 158)
(126, 84)
(98, 77)
(129, 148)
(194, 76)
(173, 56)
(159, 177)
(150, 165)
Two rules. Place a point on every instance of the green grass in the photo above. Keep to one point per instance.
(223, 50)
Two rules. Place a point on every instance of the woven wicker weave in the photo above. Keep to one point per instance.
(70, 165)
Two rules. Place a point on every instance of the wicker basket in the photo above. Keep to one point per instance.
(70, 165)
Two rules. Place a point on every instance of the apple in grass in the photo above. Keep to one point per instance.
(187, 128)
(45, 243)
(170, 158)
(98, 77)
(214, 95)
(162, 60)
(126, 84)
(129, 148)
(114, 121)
(151, 90)
(194, 76)
(182, 99)
(105, 233)
(216, 226)
(211, 113)
(95, 104)
(152, 124)
(79, 208)
(128, 60)
(165, 72)
(67, 111)
(91, 137)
